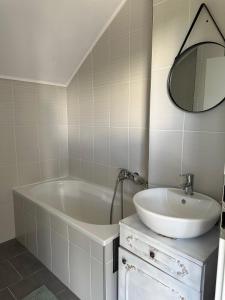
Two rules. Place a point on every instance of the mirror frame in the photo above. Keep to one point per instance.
(171, 72)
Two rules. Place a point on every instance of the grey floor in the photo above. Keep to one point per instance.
(21, 273)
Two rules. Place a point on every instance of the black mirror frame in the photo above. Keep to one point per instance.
(171, 71)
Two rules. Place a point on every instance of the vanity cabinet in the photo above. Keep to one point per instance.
(160, 268)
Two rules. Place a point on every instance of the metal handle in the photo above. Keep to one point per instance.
(152, 254)
(124, 261)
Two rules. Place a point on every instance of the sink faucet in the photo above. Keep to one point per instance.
(187, 186)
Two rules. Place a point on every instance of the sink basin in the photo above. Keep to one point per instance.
(170, 212)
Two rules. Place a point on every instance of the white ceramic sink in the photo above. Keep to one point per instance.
(171, 213)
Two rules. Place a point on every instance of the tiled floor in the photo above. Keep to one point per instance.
(21, 273)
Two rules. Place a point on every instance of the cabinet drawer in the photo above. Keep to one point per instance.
(172, 264)
(139, 280)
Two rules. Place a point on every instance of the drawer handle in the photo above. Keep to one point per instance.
(152, 254)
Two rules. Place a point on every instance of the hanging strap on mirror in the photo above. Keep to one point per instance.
(203, 5)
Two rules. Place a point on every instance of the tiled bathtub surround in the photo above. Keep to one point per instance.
(183, 142)
(108, 99)
(82, 264)
(33, 135)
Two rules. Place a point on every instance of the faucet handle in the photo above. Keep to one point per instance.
(187, 176)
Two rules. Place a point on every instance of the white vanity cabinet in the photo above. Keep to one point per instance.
(159, 268)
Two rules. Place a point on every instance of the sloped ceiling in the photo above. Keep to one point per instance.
(46, 40)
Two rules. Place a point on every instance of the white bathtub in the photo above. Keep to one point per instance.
(66, 225)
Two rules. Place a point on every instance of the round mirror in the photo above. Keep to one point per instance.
(196, 81)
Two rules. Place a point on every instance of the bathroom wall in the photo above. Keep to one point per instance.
(108, 100)
(33, 135)
(183, 142)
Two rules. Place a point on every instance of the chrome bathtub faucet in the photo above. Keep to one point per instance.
(188, 185)
(132, 176)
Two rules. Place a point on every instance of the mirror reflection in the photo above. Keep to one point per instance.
(197, 79)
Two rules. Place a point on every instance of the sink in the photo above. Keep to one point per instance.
(168, 211)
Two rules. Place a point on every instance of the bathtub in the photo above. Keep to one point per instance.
(65, 224)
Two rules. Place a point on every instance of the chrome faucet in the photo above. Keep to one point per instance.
(188, 185)
(132, 176)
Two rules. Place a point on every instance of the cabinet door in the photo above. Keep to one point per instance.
(140, 280)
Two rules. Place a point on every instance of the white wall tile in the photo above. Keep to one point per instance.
(111, 282)
(6, 112)
(139, 103)
(31, 232)
(165, 157)
(85, 75)
(7, 229)
(100, 174)
(119, 105)
(60, 252)
(138, 145)
(141, 14)
(49, 142)
(97, 251)
(101, 145)
(29, 173)
(8, 179)
(19, 219)
(163, 113)
(44, 244)
(24, 90)
(200, 131)
(86, 143)
(87, 112)
(118, 98)
(6, 90)
(119, 147)
(45, 92)
(140, 53)
(79, 239)
(50, 169)
(101, 53)
(59, 226)
(120, 70)
(74, 141)
(52, 112)
(80, 262)
(26, 111)
(31, 151)
(203, 154)
(74, 166)
(121, 24)
(7, 145)
(97, 289)
(109, 252)
(213, 120)
(170, 25)
(102, 106)
(206, 31)
(27, 144)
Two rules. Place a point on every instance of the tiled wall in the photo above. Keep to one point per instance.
(33, 135)
(108, 99)
(183, 142)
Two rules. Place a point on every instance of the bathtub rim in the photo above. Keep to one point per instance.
(102, 234)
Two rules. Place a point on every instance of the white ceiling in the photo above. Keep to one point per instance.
(46, 40)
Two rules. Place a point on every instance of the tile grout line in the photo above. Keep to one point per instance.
(182, 145)
(129, 80)
(14, 268)
(11, 293)
(14, 131)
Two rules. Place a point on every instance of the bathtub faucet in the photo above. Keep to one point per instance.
(125, 174)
